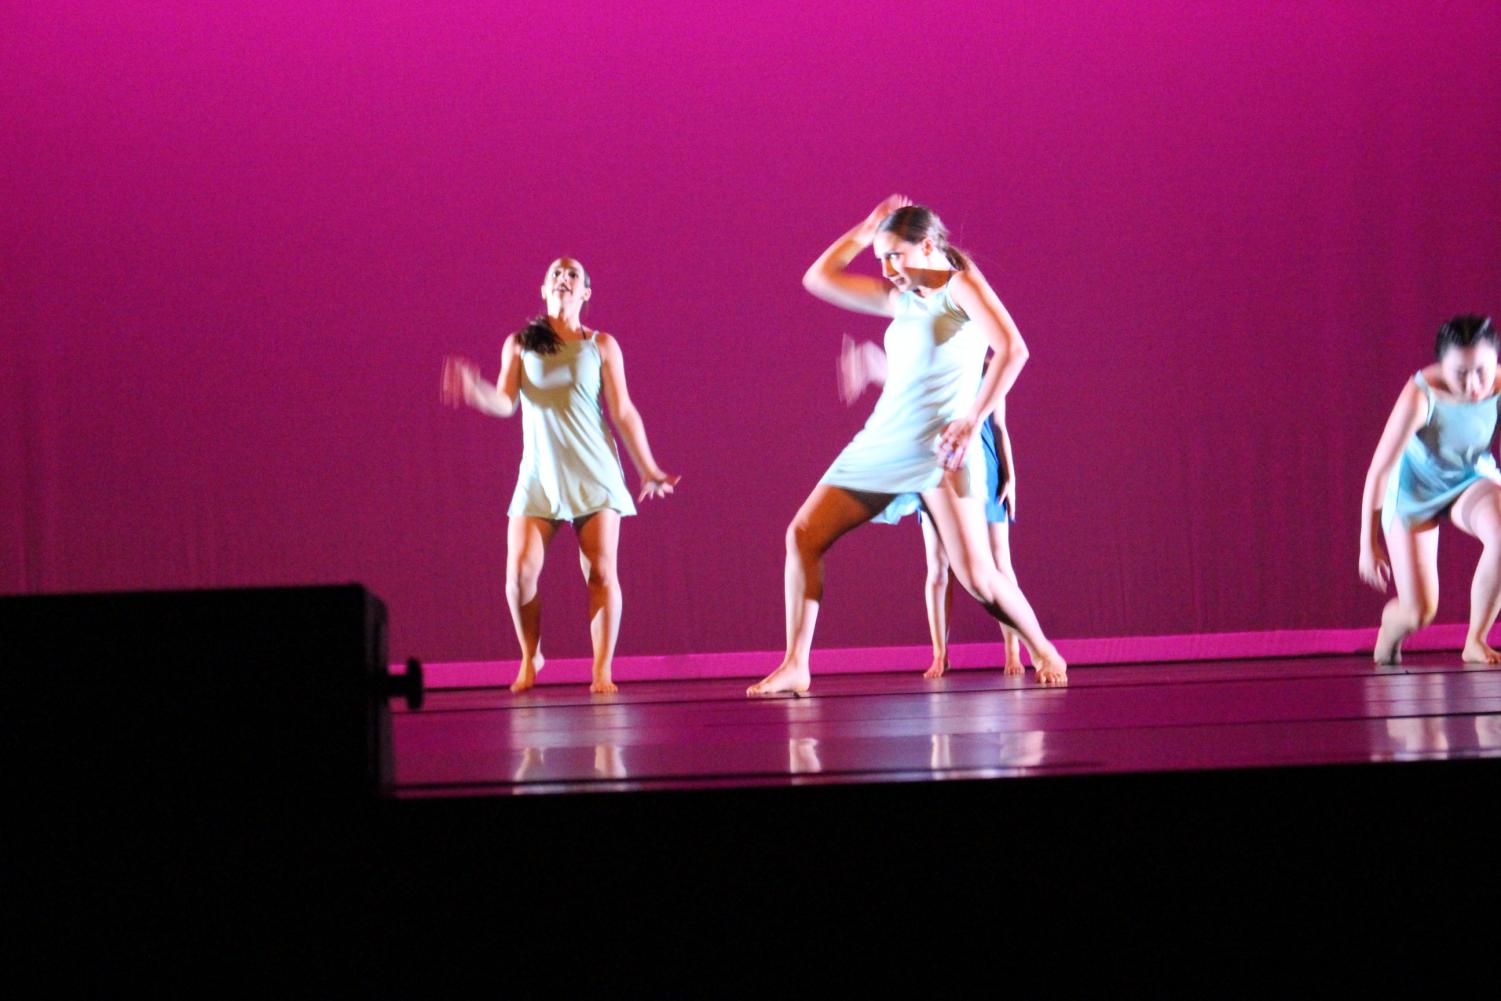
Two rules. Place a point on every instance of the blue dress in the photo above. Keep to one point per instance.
(1447, 455)
(933, 360)
(995, 509)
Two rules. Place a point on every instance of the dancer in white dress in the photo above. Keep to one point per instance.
(918, 446)
(557, 369)
(864, 365)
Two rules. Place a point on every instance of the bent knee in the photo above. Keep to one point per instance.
(981, 586)
(800, 540)
(602, 577)
(522, 576)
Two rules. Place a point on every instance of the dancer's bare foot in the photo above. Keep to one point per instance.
(1389, 648)
(1480, 652)
(1052, 669)
(789, 677)
(526, 677)
(937, 669)
(1013, 666)
(603, 686)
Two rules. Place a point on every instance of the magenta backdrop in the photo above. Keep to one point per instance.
(237, 245)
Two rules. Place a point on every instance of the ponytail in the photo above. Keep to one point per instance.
(538, 336)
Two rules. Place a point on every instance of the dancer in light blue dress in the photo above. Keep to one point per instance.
(863, 365)
(1434, 462)
(569, 465)
(557, 370)
(918, 446)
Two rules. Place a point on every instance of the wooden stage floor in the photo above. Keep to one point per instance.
(973, 724)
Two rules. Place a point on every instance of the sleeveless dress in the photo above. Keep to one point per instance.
(933, 360)
(569, 464)
(1449, 453)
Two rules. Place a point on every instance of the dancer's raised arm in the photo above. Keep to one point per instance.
(463, 384)
(828, 280)
(654, 481)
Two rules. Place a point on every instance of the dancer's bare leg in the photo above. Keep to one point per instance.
(1478, 513)
(526, 544)
(1000, 548)
(827, 514)
(599, 540)
(939, 598)
(1413, 553)
(961, 526)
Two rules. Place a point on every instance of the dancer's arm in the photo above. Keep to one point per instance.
(973, 294)
(463, 384)
(654, 481)
(1406, 417)
(828, 280)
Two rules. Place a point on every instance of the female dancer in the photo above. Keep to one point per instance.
(943, 316)
(864, 364)
(570, 470)
(1434, 461)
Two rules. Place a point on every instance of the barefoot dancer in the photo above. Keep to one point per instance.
(1433, 461)
(943, 316)
(570, 470)
(865, 364)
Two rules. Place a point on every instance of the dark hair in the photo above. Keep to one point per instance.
(1464, 332)
(915, 223)
(538, 334)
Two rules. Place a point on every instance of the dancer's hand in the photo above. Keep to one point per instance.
(852, 375)
(860, 366)
(953, 443)
(867, 230)
(1008, 496)
(1375, 569)
(659, 484)
(460, 377)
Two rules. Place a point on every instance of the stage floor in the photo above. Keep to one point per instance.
(973, 724)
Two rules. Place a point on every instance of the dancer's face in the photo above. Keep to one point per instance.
(902, 263)
(1470, 373)
(564, 287)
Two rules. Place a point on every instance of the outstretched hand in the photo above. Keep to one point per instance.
(1375, 569)
(659, 485)
(854, 374)
(460, 376)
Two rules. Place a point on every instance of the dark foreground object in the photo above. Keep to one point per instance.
(680, 829)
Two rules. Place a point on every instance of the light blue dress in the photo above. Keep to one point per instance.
(933, 361)
(569, 464)
(1449, 453)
